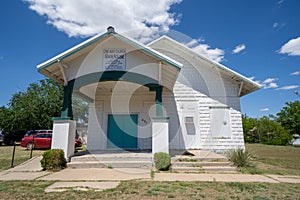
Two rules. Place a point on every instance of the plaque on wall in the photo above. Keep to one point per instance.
(114, 59)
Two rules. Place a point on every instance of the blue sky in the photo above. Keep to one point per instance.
(258, 39)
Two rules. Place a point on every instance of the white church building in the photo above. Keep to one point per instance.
(156, 97)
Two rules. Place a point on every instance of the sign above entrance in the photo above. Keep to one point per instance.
(114, 59)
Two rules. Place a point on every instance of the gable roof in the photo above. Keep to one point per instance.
(89, 44)
(247, 85)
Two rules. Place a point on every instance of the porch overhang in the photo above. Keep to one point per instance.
(85, 86)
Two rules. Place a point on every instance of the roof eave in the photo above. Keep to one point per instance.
(150, 51)
(71, 51)
(99, 37)
(255, 85)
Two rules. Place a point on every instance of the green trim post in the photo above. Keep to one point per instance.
(66, 111)
(158, 99)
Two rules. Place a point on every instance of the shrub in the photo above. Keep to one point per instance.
(162, 161)
(239, 157)
(53, 160)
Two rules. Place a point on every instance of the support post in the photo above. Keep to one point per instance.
(160, 124)
(63, 136)
(158, 99)
(160, 134)
(67, 103)
(64, 127)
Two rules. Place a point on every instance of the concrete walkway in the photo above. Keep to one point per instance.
(82, 186)
(32, 165)
(98, 174)
(215, 177)
(29, 170)
(104, 178)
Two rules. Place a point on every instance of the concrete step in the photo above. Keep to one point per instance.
(112, 157)
(188, 169)
(110, 164)
(183, 158)
(205, 169)
(225, 169)
(200, 164)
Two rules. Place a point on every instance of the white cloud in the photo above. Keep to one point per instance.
(205, 50)
(194, 42)
(86, 18)
(288, 87)
(292, 47)
(268, 83)
(214, 54)
(252, 78)
(295, 73)
(275, 24)
(264, 109)
(270, 80)
(238, 48)
(143, 20)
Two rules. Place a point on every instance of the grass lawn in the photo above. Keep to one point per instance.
(21, 155)
(269, 159)
(156, 190)
(265, 159)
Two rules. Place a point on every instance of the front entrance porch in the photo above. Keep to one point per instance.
(123, 116)
(116, 76)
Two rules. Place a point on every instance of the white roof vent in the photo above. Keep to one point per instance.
(110, 29)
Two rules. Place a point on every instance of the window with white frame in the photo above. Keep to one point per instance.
(190, 125)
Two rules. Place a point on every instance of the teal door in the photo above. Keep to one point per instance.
(122, 131)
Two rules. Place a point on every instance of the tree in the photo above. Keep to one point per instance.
(289, 117)
(250, 126)
(6, 117)
(80, 110)
(272, 132)
(265, 130)
(35, 107)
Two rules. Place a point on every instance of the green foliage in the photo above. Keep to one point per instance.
(289, 117)
(239, 157)
(152, 174)
(53, 160)
(80, 110)
(265, 130)
(272, 130)
(162, 161)
(6, 117)
(35, 107)
(249, 126)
